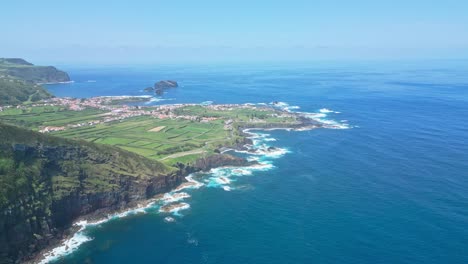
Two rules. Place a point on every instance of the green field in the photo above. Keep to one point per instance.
(238, 114)
(166, 140)
(33, 117)
(177, 136)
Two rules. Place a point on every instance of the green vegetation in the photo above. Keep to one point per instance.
(100, 155)
(26, 71)
(19, 81)
(35, 116)
(166, 140)
(46, 182)
(14, 91)
(238, 114)
(134, 135)
(23, 166)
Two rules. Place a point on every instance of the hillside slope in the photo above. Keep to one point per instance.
(47, 182)
(24, 70)
(14, 91)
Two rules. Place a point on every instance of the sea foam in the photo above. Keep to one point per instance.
(78, 238)
(223, 178)
(157, 99)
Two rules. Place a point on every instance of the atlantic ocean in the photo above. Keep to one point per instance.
(390, 186)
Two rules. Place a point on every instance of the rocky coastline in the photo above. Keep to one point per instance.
(147, 192)
(160, 86)
(133, 193)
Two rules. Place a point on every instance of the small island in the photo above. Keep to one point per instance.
(161, 86)
(166, 84)
(65, 159)
(90, 152)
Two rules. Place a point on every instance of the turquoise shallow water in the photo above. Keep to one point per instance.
(391, 189)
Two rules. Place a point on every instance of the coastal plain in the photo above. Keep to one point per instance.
(168, 133)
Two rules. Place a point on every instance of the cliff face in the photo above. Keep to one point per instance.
(160, 86)
(220, 160)
(39, 74)
(47, 182)
(165, 84)
(24, 70)
(19, 81)
(212, 161)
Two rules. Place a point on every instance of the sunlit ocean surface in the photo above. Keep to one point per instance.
(392, 188)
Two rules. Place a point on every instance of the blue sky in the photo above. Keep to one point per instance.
(242, 30)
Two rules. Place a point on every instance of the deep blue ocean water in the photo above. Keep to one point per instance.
(391, 189)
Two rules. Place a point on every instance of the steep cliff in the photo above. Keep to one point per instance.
(220, 160)
(20, 81)
(24, 70)
(46, 182)
(165, 84)
(160, 86)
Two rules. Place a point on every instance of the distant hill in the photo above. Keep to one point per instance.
(47, 182)
(27, 71)
(20, 81)
(16, 61)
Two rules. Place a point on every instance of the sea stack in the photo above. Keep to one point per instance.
(165, 84)
(160, 86)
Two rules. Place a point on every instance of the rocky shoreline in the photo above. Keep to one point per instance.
(102, 214)
(183, 170)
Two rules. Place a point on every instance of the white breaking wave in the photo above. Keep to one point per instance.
(259, 151)
(156, 99)
(68, 246)
(190, 184)
(57, 82)
(169, 219)
(319, 117)
(206, 103)
(325, 111)
(74, 242)
(222, 178)
(174, 197)
(174, 208)
(327, 123)
(284, 106)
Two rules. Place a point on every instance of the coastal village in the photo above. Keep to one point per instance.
(115, 110)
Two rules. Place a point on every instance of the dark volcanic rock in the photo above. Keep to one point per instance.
(221, 160)
(149, 89)
(160, 86)
(52, 181)
(213, 161)
(165, 84)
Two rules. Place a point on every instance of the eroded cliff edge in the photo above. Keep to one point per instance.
(47, 182)
(29, 72)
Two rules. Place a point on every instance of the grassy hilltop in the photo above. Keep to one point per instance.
(20, 81)
(14, 91)
(26, 71)
(47, 182)
(98, 155)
